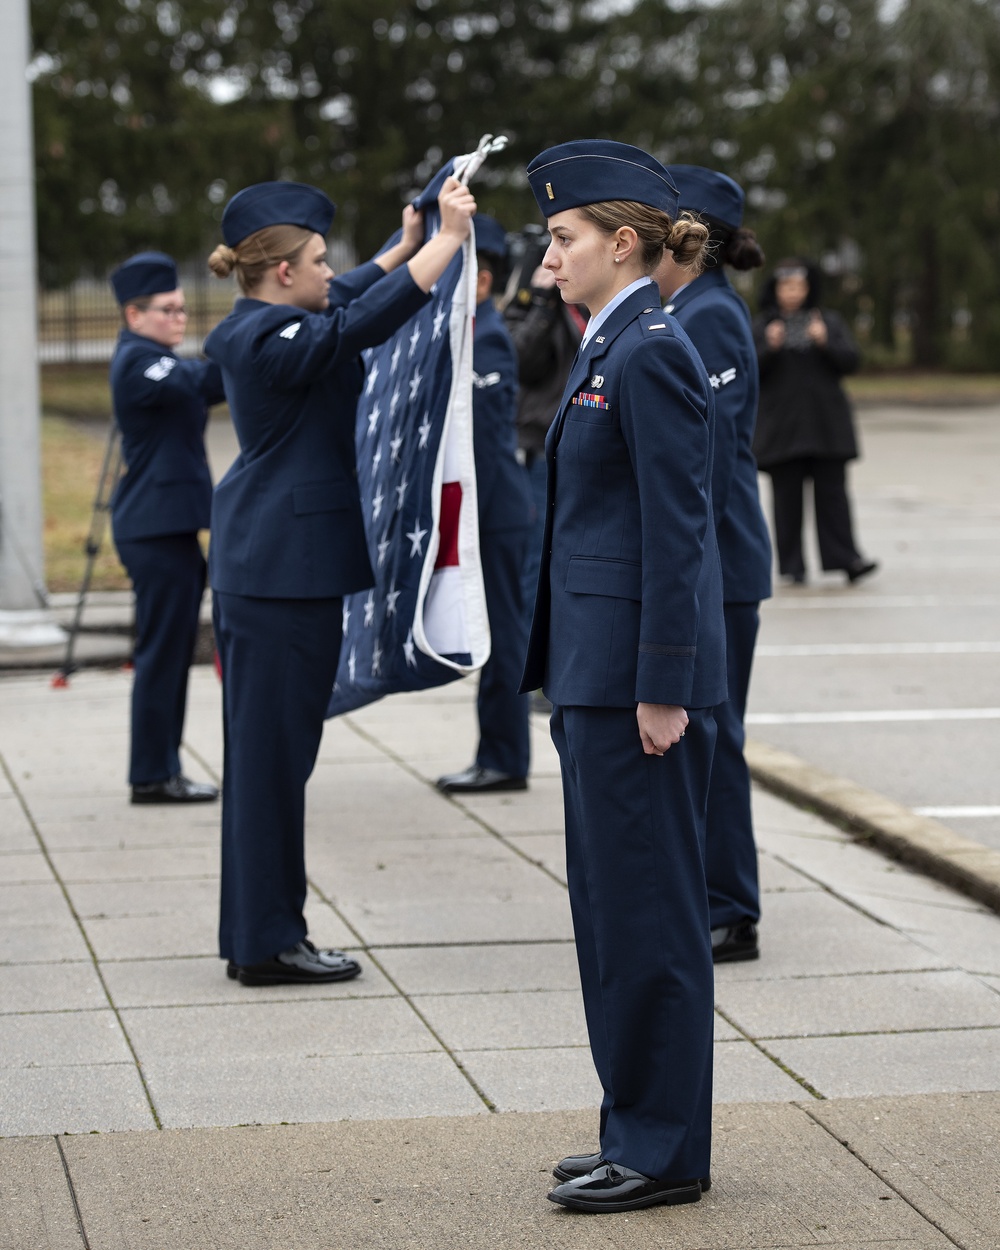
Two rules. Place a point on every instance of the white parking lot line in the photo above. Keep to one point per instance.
(970, 812)
(786, 650)
(874, 717)
(833, 602)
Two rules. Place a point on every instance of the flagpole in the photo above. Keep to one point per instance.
(24, 616)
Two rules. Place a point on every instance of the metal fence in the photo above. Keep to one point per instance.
(81, 322)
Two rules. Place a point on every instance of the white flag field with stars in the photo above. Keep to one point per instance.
(424, 622)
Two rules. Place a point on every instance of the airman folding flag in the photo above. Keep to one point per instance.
(424, 623)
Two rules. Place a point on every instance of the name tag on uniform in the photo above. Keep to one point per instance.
(587, 400)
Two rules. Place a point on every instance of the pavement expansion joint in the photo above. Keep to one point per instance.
(757, 1044)
(409, 1000)
(457, 801)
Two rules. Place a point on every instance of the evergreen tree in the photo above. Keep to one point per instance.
(865, 131)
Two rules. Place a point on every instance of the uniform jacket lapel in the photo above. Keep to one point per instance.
(585, 365)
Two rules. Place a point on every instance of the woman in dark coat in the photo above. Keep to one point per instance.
(805, 428)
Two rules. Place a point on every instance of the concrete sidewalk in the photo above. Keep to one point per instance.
(857, 1062)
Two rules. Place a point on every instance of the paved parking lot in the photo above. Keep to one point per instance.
(895, 682)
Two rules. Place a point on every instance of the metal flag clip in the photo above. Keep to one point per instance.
(467, 166)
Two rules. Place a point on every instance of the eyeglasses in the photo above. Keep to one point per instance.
(169, 310)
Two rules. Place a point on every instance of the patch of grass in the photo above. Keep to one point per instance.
(71, 468)
(79, 391)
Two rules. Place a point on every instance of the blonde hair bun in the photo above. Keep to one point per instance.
(222, 262)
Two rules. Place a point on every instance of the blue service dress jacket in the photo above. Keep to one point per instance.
(629, 600)
(501, 484)
(286, 518)
(161, 407)
(288, 542)
(718, 323)
(504, 526)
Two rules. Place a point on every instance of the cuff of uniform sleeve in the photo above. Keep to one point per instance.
(664, 676)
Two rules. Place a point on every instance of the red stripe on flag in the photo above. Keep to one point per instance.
(451, 506)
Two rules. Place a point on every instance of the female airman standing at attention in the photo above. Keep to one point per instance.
(628, 643)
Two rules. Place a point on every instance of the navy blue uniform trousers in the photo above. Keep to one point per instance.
(731, 853)
(168, 576)
(636, 872)
(279, 660)
(504, 731)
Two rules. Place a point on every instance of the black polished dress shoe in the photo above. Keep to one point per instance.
(611, 1187)
(179, 789)
(570, 1168)
(735, 942)
(303, 964)
(478, 780)
(860, 568)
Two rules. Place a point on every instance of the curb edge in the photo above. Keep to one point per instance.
(919, 841)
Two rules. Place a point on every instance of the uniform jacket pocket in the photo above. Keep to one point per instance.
(594, 575)
(591, 409)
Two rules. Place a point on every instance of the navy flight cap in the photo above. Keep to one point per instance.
(490, 236)
(276, 204)
(710, 193)
(146, 273)
(590, 171)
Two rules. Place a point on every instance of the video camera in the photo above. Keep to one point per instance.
(525, 249)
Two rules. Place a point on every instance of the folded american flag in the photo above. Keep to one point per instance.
(424, 623)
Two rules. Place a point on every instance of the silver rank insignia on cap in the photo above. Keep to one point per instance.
(549, 192)
(597, 380)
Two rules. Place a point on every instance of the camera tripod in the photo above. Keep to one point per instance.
(111, 470)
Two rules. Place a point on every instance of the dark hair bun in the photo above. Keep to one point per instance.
(688, 240)
(742, 250)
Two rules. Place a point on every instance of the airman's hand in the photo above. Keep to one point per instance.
(413, 229)
(661, 726)
(458, 206)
